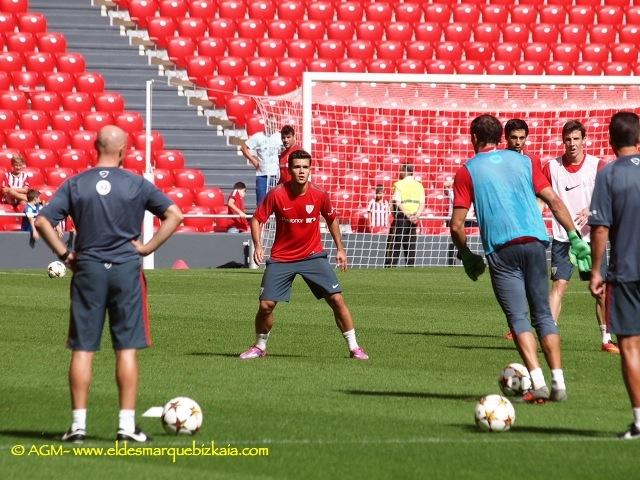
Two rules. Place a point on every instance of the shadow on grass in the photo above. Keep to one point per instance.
(433, 395)
(517, 430)
(236, 355)
(448, 334)
(511, 348)
(49, 436)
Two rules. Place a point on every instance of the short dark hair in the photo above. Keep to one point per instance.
(287, 130)
(298, 155)
(239, 186)
(32, 193)
(515, 124)
(487, 129)
(379, 188)
(624, 130)
(406, 168)
(571, 126)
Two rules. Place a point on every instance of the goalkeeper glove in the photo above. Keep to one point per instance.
(474, 265)
(579, 252)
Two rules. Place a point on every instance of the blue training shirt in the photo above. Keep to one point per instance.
(504, 198)
(107, 206)
(615, 204)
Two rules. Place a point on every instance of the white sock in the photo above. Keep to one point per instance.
(79, 419)
(606, 336)
(537, 378)
(557, 379)
(636, 416)
(127, 420)
(350, 337)
(261, 340)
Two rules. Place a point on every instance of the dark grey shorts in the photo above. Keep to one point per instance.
(561, 266)
(623, 308)
(316, 271)
(120, 290)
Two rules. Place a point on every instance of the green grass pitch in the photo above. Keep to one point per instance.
(435, 340)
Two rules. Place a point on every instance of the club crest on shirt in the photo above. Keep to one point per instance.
(309, 208)
(635, 161)
(103, 187)
(103, 173)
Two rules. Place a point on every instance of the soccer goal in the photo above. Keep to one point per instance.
(360, 128)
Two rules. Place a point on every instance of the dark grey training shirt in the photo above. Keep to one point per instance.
(616, 204)
(107, 206)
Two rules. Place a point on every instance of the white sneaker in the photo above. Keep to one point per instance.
(137, 436)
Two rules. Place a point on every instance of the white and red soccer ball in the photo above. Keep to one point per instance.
(56, 269)
(181, 416)
(494, 413)
(514, 380)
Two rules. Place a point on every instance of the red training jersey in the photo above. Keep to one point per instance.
(297, 221)
(283, 161)
(239, 223)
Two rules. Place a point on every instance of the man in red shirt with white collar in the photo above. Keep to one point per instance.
(289, 142)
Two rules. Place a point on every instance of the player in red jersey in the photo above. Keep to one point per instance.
(297, 250)
(289, 142)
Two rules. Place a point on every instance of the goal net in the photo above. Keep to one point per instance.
(360, 129)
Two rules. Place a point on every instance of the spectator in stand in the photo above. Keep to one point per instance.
(31, 211)
(407, 206)
(15, 183)
(262, 151)
(289, 144)
(235, 206)
(378, 211)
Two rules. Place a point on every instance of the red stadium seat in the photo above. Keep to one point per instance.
(408, 12)
(507, 51)
(77, 101)
(340, 30)
(281, 29)
(210, 47)
(399, 31)
(13, 101)
(32, 22)
(581, 14)
(486, 32)
(53, 139)
(202, 9)
(574, 34)
(553, 14)
(466, 13)
(43, 63)
(8, 120)
(21, 139)
(419, 50)
(558, 68)
(109, 102)
(610, 15)
(75, 159)
(441, 66)
(469, 67)
(181, 48)
(478, 51)
(238, 108)
(595, 52)
(311, 30)
(11, 62)
(21, 42)
(163, 179)
(222, 28)
(46, 101)
(264, 67)
(173, 8)
(291, 10)
(199, 68)
(169, 159)
(448, 51)
(390, 50)
(51, 42)
(566, 52)
(33, 120)
(194, 27)
(379, 12)
(219, 88)
(499, 67)
(302, 49)
(84, 140)
(457, 32)
(322, 10)
(5, 81)
(157, 141)
(42, 158)
(232, 66)
(411, 66)
(587, 68)
(331, 49)
(632, 15)
(349, 11)
(630, 34)
(497, 14)
(195, 218)
(602, 34)
(161, 30)
(529, 68)
(362, 49)
(89, 82)
(8, 22)
(371, 31)
(617, 69)
(26, 81)
(624, 52)
(255, 124)
(545, 33)
(57, 176)
(241, 47)
(70, 63)
(515, 33)
(428, 32)
(135, 160)
(251, 28)
(190, 178)
(438, 13)
(291, 67)
(141, 10)
(380, 65)
(251, 85)
(35, 175)
(66, 121)
(353, 65)
(59, 82)
(322, 65)
(233, 9)
(537, 52)
(525, 14)
(274, 48)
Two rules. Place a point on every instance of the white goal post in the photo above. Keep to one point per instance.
(361, 127)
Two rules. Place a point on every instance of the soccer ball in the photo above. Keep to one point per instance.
(494, 413)
(56, 269)
(181, 415)
(514, 380)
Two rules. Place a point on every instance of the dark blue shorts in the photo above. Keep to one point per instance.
(120, 290)
(561, 266)
(316, 271)
(623, 308)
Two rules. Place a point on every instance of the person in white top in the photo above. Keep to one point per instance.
(262, 150)
(572, 176)
(378, 211)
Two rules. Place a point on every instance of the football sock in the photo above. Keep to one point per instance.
(537, 378)
(606, 336)
(557, 378)
(127, 420)
(350, 337)
(636, 416)
(79, 419)
(261, 340)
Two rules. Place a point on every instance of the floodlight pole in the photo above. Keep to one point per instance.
(148, 262)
